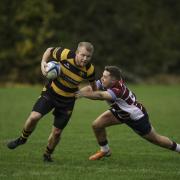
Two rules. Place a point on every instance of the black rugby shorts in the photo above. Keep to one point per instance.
(141, 126)
(62, 109)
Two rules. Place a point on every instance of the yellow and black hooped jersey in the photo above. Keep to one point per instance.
(71, 75)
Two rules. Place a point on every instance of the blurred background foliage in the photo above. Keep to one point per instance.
(141, 37)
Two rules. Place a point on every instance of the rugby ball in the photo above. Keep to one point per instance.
(53, 70)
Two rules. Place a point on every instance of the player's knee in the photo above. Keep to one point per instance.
(56, 132)
(96, 125)
(35, 116)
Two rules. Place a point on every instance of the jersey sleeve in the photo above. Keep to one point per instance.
(60, 53)
(114, 97)
(115, 92)
(99, 85)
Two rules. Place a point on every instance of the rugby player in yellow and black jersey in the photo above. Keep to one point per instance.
(59, 94)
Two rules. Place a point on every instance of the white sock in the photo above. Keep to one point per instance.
(105, 148)
(177, 148)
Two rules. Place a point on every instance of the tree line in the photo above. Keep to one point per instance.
(141, 37)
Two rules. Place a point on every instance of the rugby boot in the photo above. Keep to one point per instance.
(47, 158)
(15, 143)
(99, 155)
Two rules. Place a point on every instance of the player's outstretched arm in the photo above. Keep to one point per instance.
(94, 95)
(86, 89)
(89, 88)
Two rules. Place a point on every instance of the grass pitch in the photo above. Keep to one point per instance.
(132, 157)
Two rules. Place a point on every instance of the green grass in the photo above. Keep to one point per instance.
(133, 158)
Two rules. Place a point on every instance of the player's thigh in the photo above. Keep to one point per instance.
(62, 113)
(106, 119)
(43, 105)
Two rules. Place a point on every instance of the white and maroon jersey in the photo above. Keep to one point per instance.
(124, 101)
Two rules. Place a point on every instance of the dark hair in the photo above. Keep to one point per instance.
(114, 72)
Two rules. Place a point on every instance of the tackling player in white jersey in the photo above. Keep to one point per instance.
(124, 109)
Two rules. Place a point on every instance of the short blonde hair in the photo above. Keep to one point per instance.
(89, 47)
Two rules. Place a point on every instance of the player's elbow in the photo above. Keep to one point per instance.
(48, 53)
(48, 50)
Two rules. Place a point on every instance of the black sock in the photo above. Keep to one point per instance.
(48, 151)
(174, 145)
(25, 134)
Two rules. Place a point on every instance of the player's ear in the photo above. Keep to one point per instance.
(77, 50)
